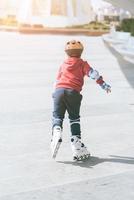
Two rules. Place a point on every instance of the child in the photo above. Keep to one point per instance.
(67, 97)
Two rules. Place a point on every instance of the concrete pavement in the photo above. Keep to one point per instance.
(28, 65)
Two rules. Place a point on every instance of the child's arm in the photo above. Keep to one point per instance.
(94, 74)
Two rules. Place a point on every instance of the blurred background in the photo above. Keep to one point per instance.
(65, 13)
(28, 68)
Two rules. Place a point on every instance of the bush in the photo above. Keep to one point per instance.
(127, 25)
(105, 28)
(118, 28)
(94, 25)
(132, 28)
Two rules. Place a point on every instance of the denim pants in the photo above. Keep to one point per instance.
(67, 100)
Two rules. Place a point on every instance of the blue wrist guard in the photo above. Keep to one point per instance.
(105, 86)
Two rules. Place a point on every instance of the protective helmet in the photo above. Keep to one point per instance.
(74, 48)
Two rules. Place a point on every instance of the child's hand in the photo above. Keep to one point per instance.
(108, 90)
(106, 87)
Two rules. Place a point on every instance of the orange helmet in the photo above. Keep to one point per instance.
(74, 48)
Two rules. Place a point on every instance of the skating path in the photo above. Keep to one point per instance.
(28, 65)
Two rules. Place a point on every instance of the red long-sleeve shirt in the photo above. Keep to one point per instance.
(71, 73)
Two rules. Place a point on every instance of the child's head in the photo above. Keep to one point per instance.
(74, 48)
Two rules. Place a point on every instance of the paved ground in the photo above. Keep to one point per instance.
(28, 65)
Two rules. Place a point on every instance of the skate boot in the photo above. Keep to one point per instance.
(79, 150)
(56, 140)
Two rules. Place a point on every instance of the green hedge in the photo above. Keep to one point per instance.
(127, 25)
(132, 28)
(94, 25)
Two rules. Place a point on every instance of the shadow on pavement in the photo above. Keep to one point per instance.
(126, 67)
(96, 160)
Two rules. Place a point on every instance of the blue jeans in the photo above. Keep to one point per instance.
(67, 100)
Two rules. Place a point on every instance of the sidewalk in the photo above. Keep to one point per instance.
(28, 65)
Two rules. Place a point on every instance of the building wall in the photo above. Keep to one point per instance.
(53, 12)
